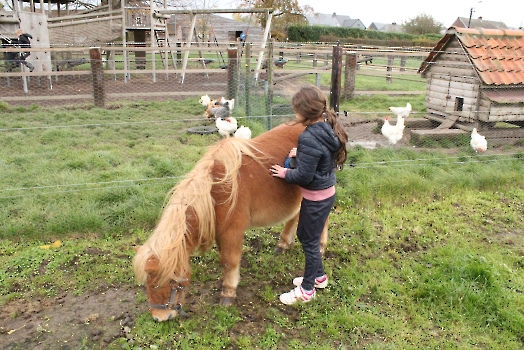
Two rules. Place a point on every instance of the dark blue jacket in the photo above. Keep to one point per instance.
(316, 149)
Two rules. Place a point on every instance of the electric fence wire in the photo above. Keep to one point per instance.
(89, 186)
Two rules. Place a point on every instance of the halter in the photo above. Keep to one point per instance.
(171, 305)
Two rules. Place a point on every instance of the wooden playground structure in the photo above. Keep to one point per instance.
(116, 26)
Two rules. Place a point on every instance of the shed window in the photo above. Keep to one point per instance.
(459, 103)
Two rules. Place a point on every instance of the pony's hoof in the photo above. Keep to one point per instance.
(280, 250)
(224, 301)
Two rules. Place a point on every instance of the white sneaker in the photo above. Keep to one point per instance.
(297, 294)
(320, 282)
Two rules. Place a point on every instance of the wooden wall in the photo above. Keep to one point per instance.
(452, 76)
(36, 24)
(449, 77)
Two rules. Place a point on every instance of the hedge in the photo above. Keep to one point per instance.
(307, 33)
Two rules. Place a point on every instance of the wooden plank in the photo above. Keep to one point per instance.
(417, 135)
(453, 71)
(28, 98)
(439, 132)
(448, 122)
(472, 92)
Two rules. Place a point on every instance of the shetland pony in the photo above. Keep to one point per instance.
(229, 190)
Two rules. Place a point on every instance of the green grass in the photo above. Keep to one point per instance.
(426, 250)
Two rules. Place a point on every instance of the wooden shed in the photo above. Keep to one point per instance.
(475, 77)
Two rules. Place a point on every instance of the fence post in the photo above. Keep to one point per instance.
(336, 78)
(98, 77)
(248, 75)
(232, 73)
(350, 74)
(269, 65)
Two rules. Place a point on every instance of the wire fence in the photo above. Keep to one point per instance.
(94, 142)
(444, 104)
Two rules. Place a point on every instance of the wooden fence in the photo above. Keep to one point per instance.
(98, 75)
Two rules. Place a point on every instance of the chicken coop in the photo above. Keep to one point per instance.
(475, 78)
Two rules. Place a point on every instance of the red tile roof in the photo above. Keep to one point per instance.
(496, 54)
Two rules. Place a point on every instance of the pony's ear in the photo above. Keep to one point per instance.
(152, 264)
(137, 248)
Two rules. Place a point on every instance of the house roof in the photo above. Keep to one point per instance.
(478, 23)
(386, 27)
(323, 20)
(334, 20)
(497, 55)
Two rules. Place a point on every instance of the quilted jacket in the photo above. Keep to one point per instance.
(316, 149)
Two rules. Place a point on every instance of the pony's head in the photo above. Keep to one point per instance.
(166, 297)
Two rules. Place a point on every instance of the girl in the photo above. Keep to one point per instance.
(321, 149)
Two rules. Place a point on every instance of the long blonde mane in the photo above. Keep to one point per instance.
(172, 238)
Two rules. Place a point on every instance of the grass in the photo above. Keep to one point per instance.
(426, 250)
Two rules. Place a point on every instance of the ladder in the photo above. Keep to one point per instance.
(200, 55)
(162, 40)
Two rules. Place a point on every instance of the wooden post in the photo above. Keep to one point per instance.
(248, 80)
(140, 41)
(336, 78)
(349, 75)
(232, 73)
(403, 64)
(389, 68)
(98, 77)
(269, 98)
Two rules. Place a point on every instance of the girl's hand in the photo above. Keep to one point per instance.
(278, 171)
(293, 152)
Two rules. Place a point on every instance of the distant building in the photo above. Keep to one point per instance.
(386, 27)
(334, 20)
(462, 22)
(475, 75)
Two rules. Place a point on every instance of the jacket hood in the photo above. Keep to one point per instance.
(325, 135)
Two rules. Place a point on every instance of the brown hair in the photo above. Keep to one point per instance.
(309, 103)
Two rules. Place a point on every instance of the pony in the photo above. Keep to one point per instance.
(229, 190)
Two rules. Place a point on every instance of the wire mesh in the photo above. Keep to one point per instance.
(446, 104)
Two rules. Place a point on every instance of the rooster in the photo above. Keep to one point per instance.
(478, 142)
(393, 132)
(220, 111)
(222, 101)
(243, 132)
(226, 126)
(401, 111)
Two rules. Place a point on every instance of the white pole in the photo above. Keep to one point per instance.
(188, 45)
(263, 46)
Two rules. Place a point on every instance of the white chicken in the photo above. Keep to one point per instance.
(401, 111)
(205, 100)
(243, 132)
(395, 132)
(478, 142)
(226, 126)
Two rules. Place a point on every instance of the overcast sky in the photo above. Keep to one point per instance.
(511, 12)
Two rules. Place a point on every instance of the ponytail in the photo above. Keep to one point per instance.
(341, 153)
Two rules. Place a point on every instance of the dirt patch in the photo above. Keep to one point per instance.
(68, 321)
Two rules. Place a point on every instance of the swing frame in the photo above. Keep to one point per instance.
(195, 13)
